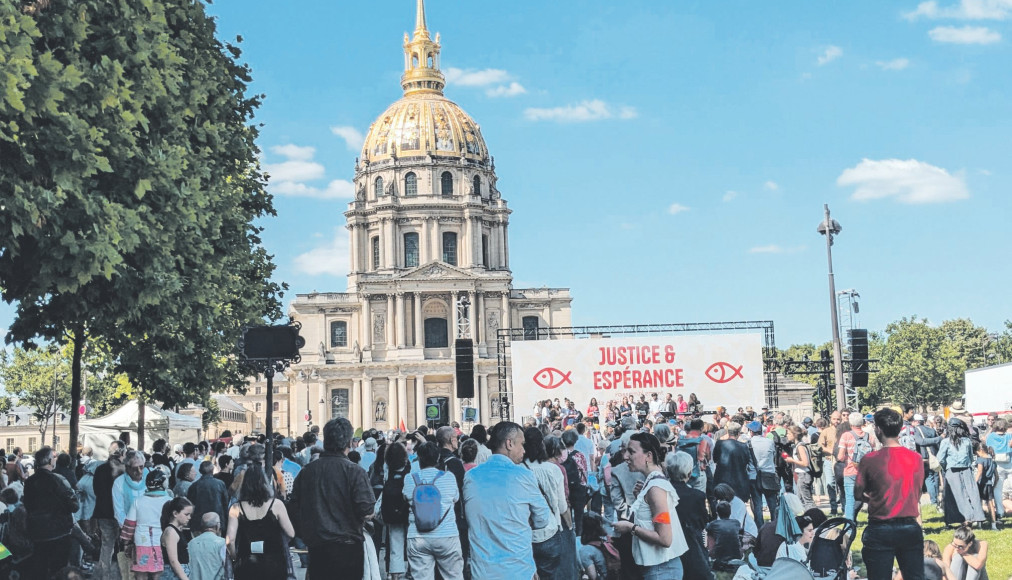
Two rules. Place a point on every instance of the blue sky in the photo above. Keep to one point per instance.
(668, 160)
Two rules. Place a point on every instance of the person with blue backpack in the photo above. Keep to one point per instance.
(433, 540)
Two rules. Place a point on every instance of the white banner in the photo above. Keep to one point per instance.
(725, 369)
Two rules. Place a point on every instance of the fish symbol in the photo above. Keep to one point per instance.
(551, 378)
(722, 372)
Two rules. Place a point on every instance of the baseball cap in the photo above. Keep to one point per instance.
(918, 417)
(806, 421)
(755, 426)
(869, 418)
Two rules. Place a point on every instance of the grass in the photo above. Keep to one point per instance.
(999, 553)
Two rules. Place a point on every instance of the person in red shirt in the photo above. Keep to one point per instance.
(890, 481)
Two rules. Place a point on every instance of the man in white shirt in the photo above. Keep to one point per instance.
(440, 546)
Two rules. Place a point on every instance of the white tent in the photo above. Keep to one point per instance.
(99, 432)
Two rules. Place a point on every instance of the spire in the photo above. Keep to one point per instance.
(420, 29)
(421, 58)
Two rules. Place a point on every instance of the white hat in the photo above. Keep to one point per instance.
(918, 417)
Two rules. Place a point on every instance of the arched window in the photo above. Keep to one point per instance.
(411, 250)
(446, 182)
(338, 334)
(430, 60)
(379, 186)
(414, 60)
(410, 185)
(450, 248)
(477, 185)
(436, 333)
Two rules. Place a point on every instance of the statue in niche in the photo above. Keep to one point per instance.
(323, 350)
(381, 410)
(493, 322)
(358, 352)
(377, 329)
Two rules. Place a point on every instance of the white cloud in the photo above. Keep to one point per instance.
(964, 35)
(830, 54)
(677, 208)
(909, 181)
(964, 10)
(475, 78)
(337, 189)
(775, 249)
(894, 64)
(730, 195)
(290, 177)
(511, 90)
(294, 152)
(593, 110)
(353, 138)
(771, 186)
(331, 258)
(294, 170)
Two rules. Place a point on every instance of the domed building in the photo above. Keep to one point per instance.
(429, 248)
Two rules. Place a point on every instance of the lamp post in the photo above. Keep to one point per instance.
(829, 228)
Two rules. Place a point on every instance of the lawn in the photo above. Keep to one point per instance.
(999, 553)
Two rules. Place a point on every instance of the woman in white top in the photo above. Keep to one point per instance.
(658, 541)
(797, 550)
(801, 460)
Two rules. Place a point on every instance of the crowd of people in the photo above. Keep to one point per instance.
(647, 489)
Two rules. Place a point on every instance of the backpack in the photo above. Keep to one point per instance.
(612, 563)
(578, 491)
(426, 503)
(780, 447)
(691, 446)
(862, 447)
(394, 506)
(816, 462)
(907, 438)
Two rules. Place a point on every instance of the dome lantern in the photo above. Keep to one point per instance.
(421, 59)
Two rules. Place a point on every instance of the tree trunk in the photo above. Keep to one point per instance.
(75, 394)
(141, 409)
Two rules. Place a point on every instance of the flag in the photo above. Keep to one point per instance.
(403, 428)
(4, 552)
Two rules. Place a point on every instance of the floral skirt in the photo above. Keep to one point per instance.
(168, 574)
(148, 559)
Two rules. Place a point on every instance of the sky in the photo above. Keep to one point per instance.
(668, 161)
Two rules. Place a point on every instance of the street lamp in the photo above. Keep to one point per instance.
(829, 228)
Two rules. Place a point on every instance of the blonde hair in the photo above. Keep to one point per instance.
(931, 549)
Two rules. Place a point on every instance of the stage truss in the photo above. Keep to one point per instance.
(502, 398)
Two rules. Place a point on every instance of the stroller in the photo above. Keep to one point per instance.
(827, 557)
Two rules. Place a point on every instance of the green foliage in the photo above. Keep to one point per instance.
(38, 379)
(130, 188)
(921, 364)
(211, 414)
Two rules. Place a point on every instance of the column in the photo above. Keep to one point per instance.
(423, 243)
(401, 326)
(483, 405)
(419, 400)
(434, 241)
(454, 296)
(389, 329)
(419, 331)
(356, 402)
(366, 323)
(468, 253)
(368, 409)
(454, 402)
(402, 402)
(393, 243)
(472, 317)
(479, 328)
(392, 403)
(353, 243)
(506, 245)
(323, 403)
(506, 321)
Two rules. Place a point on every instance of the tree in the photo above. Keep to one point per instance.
(131, 185)
(38, 379)
(920, 365)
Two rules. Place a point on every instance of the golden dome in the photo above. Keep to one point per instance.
(424, 124)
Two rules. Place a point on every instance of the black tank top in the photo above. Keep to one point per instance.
(182, 554)
(269, 565)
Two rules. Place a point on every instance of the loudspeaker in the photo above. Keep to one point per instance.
(280, 342)
(464, 357)
(857, 340)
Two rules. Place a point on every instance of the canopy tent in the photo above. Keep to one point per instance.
(99, 432)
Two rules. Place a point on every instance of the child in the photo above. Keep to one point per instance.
(143, 527)
(986, 471)
(722, 539)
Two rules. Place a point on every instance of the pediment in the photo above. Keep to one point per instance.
(437, 271)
